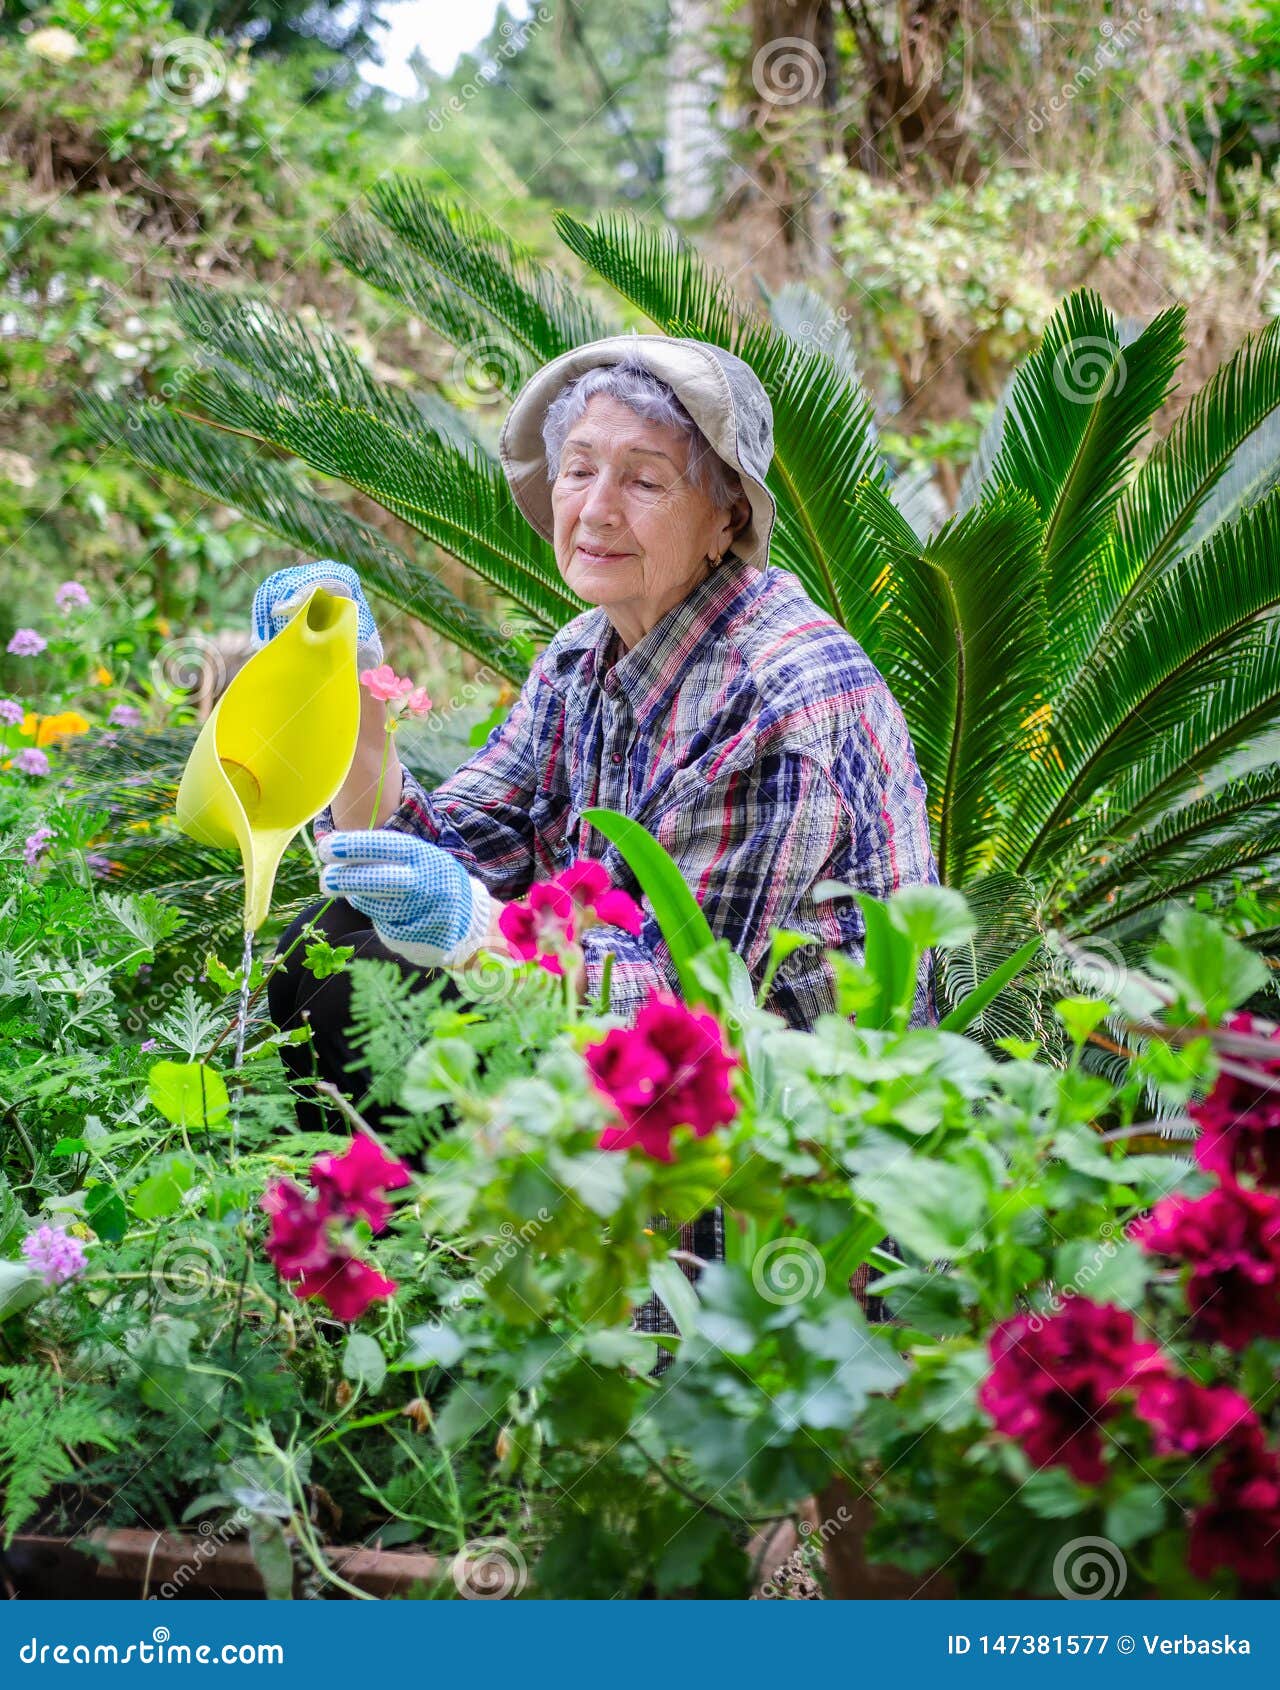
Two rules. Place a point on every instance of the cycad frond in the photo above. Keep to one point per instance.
(824, 445)
(1199, 621)
(227, 468)
(1247, 854)
(1216, 447)
(1233, 811)
(469, 280)
(962, 643)
(1078, 406)
(1006, 911)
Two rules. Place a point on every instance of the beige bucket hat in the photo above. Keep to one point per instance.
(720, 391)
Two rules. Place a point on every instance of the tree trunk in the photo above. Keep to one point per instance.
(694, 141)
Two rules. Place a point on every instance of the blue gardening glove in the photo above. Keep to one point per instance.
(422, 902)
(283, 594)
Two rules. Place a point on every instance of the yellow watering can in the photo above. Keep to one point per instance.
(277, 746)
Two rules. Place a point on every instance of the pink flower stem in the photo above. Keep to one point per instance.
(382, 769)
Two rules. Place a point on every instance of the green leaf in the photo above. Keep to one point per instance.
(1081, 1017)
(1052, 1494)
(931, 916)
(1138, 1513)
(971, 1006)
(1210, 971)
(20, 1286)
(189, 1094)
(162, 1193)
(433, 1345)
(677, 1295)
(936, 1210)
(363, 1362)
(270, 1550)
(105, 1212)
(684, 927)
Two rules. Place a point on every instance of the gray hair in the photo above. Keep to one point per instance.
(636, 387)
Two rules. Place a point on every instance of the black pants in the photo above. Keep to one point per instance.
(297, 999)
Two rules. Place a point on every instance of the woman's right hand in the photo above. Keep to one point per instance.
(282, 595)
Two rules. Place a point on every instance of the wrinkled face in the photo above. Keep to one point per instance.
(632, 533)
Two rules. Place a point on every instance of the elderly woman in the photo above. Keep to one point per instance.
(704, 695)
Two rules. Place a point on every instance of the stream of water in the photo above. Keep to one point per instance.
(242, 1019)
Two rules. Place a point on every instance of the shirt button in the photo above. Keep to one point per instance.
(615, 757)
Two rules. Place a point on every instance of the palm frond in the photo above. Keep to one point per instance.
(1078, 406)
(824, 445)
(961, 641)
(1006, 911)
(467, 278)
(229, 469)
(1199, 622)
(1247, 855)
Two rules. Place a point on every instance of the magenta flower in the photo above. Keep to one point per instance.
(26, 643)
(1239, 1528)
(347, 1285)
(1188, 1418)
(125, 716)
(353, 1183)
(1230, 1239)
(55, 1254)
(32, 761)
(71, 596)
(587, 883)
(37, 844)
(1240, 1119)
(670, 1070)
(11, 712)
(541, 928)
(298, 1236)
(304, 1240)
(1054, 1381)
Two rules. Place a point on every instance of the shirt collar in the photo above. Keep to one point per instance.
(647, 674)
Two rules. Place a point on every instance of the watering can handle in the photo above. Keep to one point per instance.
(282, 594)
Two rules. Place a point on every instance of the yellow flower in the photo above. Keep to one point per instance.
(164, 626)
(101, 677)
(54, 728)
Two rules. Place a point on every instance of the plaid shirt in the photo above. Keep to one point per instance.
(754, 739)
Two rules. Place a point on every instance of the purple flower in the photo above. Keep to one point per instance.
(11, 712)
(125, 716)
(149, 1044)
(98, 864)
(26, 643)
(55, 1254)
(71, 596)
(37, 844)
(31, 762)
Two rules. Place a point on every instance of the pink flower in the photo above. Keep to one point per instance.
(125, 716)
(587, 883)
(670, 1070)
(539, 929)
(1188, 1418)
(384, 683)
(1230, 1239)
(56, 1255)
(1053, 1381)
(26, 643)
(11, 712)
(37, 844)
(32, 762)
(1240, 1119)
(352, 1184)
(1239, 1529)
(71, 596)
(416, 703)
(347, 1285)
(298, 1236)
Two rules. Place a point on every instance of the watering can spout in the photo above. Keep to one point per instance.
(278, 745)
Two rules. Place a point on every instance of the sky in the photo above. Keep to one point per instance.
(442, 28)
